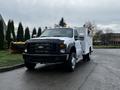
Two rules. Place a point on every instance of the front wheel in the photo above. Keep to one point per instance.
(71, 63)
(30, 66)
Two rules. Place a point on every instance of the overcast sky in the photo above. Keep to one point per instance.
(105, 13)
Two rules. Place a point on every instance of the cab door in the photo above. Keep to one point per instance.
(77, 45)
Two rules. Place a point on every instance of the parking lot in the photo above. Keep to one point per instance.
(101, 73)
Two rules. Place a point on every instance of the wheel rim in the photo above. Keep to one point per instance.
(73, 62)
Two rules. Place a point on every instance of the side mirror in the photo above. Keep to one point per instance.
(81, 38)
(76, 37)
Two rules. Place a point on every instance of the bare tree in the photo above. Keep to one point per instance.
(108, 30)
(91, 26)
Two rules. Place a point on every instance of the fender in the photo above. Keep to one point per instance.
(70, 46)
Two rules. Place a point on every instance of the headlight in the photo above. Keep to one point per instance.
(62, 48)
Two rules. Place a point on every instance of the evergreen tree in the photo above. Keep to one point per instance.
(12, 30)
(27, 34)
(8, 34)
(39, 32)
(34, 33)
(20, 33)
(62, 23)
(1, 35)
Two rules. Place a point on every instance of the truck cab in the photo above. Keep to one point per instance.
(56, 45)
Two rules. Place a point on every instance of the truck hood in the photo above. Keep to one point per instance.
(66, 40)
(60, 38)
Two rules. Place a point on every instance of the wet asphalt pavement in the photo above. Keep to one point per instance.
(101, 73)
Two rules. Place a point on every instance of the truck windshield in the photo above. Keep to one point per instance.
(58, 32)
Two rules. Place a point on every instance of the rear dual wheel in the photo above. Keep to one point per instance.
(86, 57)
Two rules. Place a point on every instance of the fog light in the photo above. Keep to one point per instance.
(62, 50)
(25, 50)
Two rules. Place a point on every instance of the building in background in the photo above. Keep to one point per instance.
(115, 40)
(107, 39)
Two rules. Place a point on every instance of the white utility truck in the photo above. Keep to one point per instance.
(59, 45)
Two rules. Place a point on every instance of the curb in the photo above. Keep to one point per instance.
(5, 69)
(106, 48)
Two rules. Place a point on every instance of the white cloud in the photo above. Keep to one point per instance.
(48, 12)
(114, 27)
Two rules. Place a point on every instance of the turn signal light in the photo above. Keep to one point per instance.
(62, 45)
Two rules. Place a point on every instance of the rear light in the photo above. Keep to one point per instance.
(83, 51)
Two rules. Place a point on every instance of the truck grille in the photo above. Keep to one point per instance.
(42, 48)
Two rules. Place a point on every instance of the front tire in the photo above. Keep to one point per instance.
(30, 66)
(71, 63)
